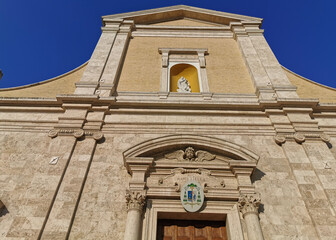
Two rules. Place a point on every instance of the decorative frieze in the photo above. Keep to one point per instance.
(249, 203)
(135, 199)
(77, 133)
(301, 137)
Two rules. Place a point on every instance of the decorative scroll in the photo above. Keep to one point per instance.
(135, 200)
(301, 137)
(77, 133)
(249, 203)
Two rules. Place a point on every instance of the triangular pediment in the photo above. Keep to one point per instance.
(186, 22)
(179, 12)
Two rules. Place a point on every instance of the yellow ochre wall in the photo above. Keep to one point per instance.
(309, 89)
(226, 69)
(186, 22)
(64, 84)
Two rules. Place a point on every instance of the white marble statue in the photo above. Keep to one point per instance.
(183, 85)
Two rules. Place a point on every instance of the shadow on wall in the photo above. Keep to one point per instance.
(329, 145)
(261, 208)
(3, 211)
(257, 175)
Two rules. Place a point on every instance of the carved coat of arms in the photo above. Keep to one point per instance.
(192, 196)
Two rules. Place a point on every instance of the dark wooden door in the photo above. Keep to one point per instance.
(190, 230)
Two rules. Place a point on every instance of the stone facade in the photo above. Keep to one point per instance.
(109, 160)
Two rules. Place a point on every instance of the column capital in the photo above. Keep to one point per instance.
(135, 200)
(249, 203)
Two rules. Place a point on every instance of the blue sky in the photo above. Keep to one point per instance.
(43, 39)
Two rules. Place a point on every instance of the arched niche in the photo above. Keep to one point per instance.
(188, 72)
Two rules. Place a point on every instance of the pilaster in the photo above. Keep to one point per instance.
(310, 159)
(109, 77)
(83, 125)
(92, 74)
(269, 79)
(136, 196)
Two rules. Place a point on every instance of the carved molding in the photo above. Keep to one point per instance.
(135, 200)
(249, 203)
(301, 137)
(204, 176)
(190, 155)
(77, 133)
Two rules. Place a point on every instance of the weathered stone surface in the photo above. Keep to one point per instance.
(259, 138)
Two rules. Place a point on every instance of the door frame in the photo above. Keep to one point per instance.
(172, 209)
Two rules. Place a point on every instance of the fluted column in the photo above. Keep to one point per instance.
(248, 205)
(135, 204)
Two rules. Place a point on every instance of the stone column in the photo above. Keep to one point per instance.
(248, 205)
(135, 203)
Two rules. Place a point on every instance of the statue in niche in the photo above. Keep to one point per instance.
(190, 155)
(183, 85)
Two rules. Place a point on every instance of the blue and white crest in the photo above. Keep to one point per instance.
(192, 196)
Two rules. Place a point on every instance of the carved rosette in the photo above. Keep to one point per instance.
(135, 200)
(249, 203)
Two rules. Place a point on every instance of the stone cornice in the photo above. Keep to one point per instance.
(173, 100)
(181, 31)
(181, 11)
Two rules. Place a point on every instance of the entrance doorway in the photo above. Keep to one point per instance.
(190, 230)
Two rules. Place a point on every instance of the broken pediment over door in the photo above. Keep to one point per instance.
(222, 168)
(213, 170)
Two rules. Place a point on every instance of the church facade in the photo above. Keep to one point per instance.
(182, 125)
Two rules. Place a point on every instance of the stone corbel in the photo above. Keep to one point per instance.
(201, 58)
(243, 171)
(243, 176)
(164, 71)
(138, 168)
